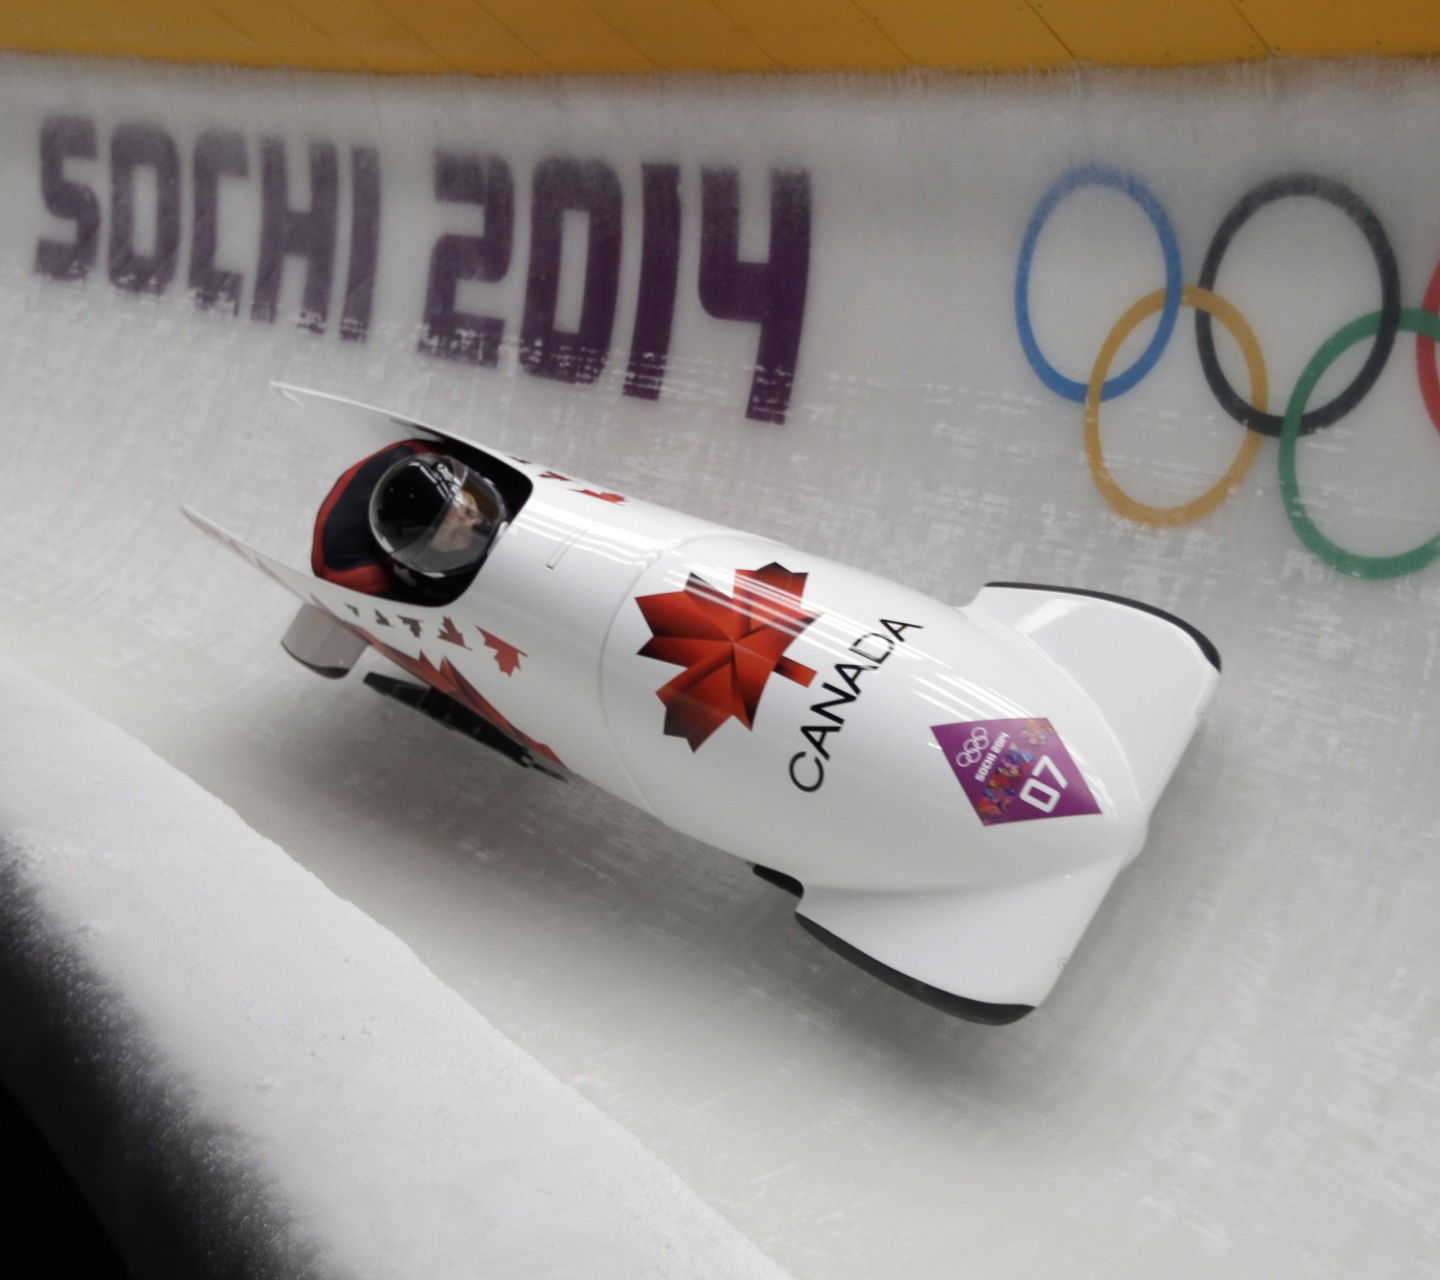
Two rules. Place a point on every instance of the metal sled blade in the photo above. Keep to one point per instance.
(444, 709)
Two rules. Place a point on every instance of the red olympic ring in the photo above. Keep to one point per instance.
(1425, 354)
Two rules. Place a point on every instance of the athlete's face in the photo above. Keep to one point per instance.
(461, 525)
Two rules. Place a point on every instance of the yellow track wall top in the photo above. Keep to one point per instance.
(518, 37)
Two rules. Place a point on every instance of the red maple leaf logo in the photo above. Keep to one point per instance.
(450, 633)
(727, 646)
(507, 656)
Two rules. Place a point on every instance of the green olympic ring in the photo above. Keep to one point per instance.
(1412, 320)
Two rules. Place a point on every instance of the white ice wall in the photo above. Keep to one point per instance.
(1235, 1077)
(251, 1077)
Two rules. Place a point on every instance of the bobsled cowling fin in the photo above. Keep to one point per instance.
(1148, 673)
(372, 428)
(299, 584)
(989, 955)
(1207, 646)
(354, 422)
(992, 1015)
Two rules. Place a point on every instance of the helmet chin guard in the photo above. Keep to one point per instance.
(435, 516)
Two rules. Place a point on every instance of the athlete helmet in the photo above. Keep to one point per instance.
(435, 516)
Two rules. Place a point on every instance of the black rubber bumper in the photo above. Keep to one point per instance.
(992, 1015)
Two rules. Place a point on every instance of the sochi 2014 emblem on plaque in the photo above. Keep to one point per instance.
(1015, 770)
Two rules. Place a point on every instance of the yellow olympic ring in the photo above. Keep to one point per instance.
(1186, 512)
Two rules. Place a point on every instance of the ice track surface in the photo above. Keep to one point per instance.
(1236, 1077)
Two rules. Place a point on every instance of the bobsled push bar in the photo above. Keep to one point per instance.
(443, 708)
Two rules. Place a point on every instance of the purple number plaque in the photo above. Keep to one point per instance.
(1014, 770)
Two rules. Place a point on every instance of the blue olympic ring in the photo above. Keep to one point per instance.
(1126, 184)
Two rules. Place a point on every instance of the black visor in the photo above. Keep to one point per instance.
(436, 516)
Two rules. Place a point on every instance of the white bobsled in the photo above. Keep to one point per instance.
(949, 791)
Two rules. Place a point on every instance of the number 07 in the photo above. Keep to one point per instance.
(1040, 794)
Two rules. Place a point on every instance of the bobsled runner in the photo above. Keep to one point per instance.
(949, 791)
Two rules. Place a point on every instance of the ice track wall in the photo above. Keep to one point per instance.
(1235, 1075)
(250, 1077)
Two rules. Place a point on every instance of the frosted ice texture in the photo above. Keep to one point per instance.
(1236, 1075)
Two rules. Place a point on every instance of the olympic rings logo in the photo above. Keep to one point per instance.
(1252, 413)
(974, 749)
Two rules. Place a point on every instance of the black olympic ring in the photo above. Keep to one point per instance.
(1364, 217)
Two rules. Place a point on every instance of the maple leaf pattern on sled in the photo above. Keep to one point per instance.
(729, 646)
